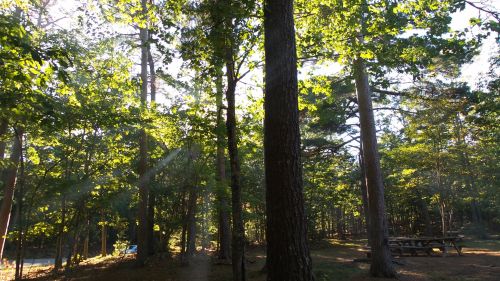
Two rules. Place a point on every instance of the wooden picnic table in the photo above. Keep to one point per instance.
(400, 245)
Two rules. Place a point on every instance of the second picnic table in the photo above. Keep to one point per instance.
(401, 245)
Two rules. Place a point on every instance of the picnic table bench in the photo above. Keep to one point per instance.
(414, 246)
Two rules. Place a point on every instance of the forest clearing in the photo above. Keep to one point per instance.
(277, 140)
(332, 259)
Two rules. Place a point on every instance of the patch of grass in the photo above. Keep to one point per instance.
(347, 243)
(336, 243)
(476, 231)
(493, 245)
(436, 276)
(334, 271)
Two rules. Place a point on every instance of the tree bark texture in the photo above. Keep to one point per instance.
(381, 265)
(20, 216)
(152, 73)
(60, 236)
(424, 215)
(9, 176)
(142, 234)
(224, 230)
(104, 236)
(191, 222)
(85, 253)
(238, 234)
(3, 130)
(184, 219)
(288, 257)
(151, 201)
(364, 194)
(340, 223)
(151, 223)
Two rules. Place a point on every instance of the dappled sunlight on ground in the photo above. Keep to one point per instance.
(482, 252)
(332, 260)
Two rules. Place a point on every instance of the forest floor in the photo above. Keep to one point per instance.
(332, 260)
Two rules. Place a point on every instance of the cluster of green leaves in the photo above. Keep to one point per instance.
(77, 101)
(441, 158)
(406, 36)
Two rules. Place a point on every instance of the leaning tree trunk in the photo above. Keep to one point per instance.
(381, 265)
(142, 234)
(238, 234)
(9, 176)
(288, 257)
(220, 177)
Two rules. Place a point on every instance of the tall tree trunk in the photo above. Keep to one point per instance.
(288, 257)
(450, 219)
(85, 253)
(205, 239)
(76, 258)
(151, 203)
(441, 193)
(322, 216)
(222, 54)
(183, 220)
(340, 224)
(4, 125)
(332, 220)
(183, 236)
(152, 72)
(188, 239)
(60, 236)
(191, 222)
(9, 176)
(20, 219)
(224, 230)
(468, 172)
(442, 212)
(427, 220)
(142, 234)
(381, 265)
(364, 193)
(151, 223)
(74, 239)
(104, 236)
(424, 214)
(238, 231)
(238, 234)
(353, 230)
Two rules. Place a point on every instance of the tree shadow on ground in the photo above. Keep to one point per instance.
(332, 260)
